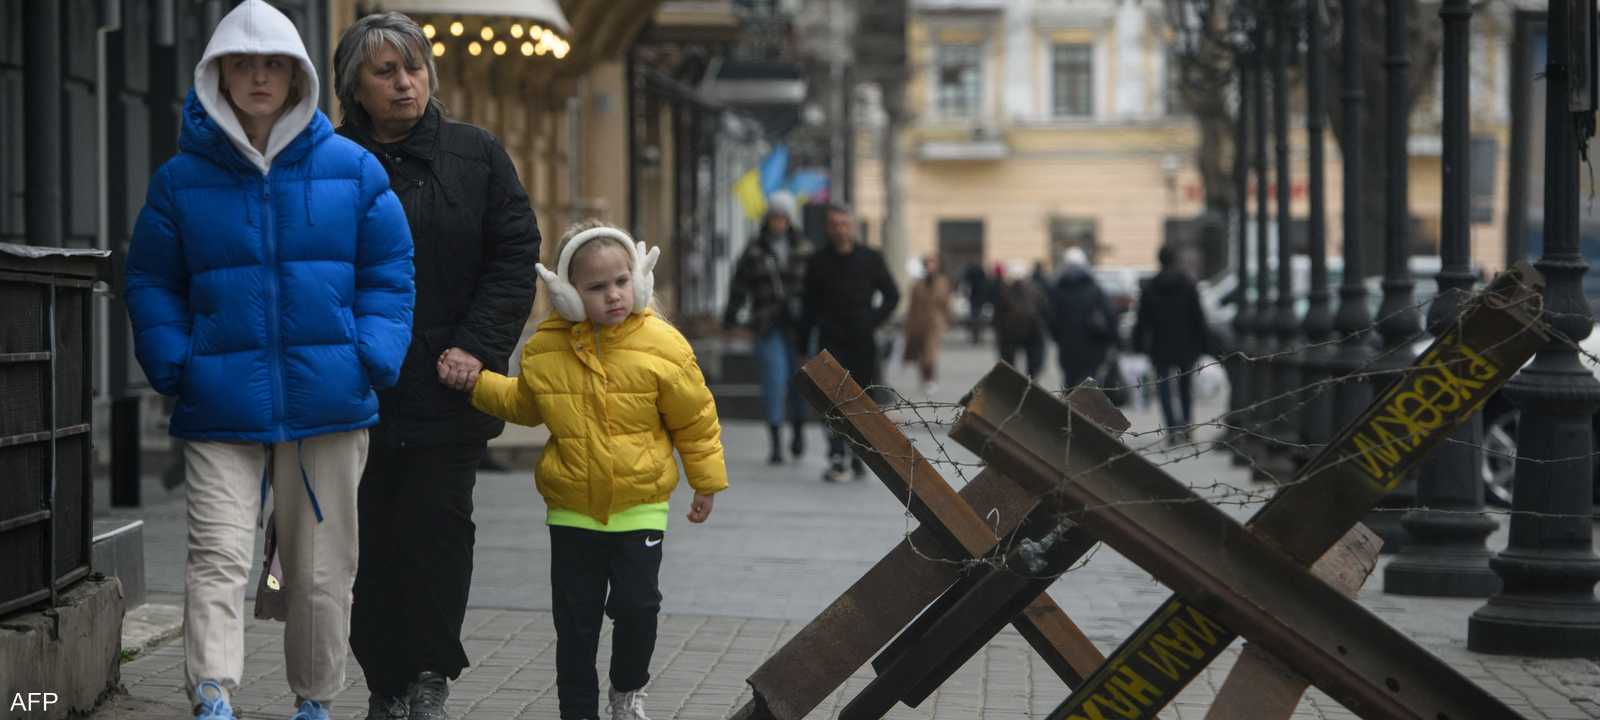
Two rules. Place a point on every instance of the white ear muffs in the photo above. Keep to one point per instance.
(564, 297)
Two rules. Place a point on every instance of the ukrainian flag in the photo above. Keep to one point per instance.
(748, 190)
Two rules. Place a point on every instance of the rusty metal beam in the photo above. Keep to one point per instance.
(973, 617)
(1255, 580)
(818, 660)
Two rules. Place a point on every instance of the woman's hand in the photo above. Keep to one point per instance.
(458, 369)
(701, 509)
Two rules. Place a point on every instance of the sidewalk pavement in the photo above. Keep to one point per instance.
(780, 546)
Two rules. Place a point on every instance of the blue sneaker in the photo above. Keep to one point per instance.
(213, 702)
(311, 710)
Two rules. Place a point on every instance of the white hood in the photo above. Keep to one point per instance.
(256, 28)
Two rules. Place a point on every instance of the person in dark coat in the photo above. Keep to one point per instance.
(842, 280)
(477, 242)
(1171, 329)
(1082, 321)
(768, 279)
(1021, 318)
(976, 283)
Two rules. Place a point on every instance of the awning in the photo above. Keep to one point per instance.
(544, 12)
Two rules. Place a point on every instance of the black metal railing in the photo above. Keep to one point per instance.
(46, 501)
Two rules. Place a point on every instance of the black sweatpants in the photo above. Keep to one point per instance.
(415, 511)
(617, 574)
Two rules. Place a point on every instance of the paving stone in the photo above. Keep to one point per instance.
(780, 546)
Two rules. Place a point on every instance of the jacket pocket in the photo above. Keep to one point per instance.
(188, 357)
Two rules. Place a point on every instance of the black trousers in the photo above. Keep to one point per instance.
(860, 357)
(415, 510)
(1178, 412)
(1032, 347)
(617, 574)
(1078, 365)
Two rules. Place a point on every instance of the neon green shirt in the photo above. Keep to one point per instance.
(649, 516)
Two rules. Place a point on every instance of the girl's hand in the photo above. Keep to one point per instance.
(701, 509)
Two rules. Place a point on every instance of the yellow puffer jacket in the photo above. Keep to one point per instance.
(616, 403)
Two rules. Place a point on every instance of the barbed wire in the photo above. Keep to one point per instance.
(1158, 447)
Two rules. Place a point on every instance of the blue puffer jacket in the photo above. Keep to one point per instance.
(272, 304)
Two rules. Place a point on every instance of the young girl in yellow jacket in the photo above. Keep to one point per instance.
(619, 389)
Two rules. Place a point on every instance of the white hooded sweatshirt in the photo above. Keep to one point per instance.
(256, 28)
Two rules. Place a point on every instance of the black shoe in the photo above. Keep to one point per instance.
(775, 451)
(427, 696)
(835, 471)
(797, 444)
(380, 707)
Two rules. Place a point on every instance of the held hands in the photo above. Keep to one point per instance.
(701, 509)
(458, 369)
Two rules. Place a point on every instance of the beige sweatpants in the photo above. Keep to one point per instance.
(319, 559)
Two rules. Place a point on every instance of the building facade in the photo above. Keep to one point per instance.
(1041, 124)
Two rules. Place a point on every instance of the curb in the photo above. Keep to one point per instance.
(148, 626)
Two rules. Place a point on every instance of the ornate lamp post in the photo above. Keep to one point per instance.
(1398, 320)
(1279, 463)
(1354, 352)
(1317, 415)
(1548, 607)
(1264, 340)
(1446, 556)
(1239, 396)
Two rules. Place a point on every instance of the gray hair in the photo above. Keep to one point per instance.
(361, 43)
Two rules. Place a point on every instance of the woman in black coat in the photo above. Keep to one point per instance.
(1081, 320)
(476, 245)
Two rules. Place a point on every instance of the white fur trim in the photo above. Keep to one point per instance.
(564, 296)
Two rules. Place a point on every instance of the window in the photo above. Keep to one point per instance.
(1068, 231)
(959, 81)
(1073, 73)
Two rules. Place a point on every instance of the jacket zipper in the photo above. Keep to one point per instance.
(276, 349)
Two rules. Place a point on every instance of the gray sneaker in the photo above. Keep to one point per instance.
(387, 708)
(427, 696)
(627, 705)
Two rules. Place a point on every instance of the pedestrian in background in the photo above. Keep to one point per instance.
(1171, 328)
(849, 294)
(768, 279)
(1082, 321)
(1041, 277)
(976, 283)
(927, 317)
(620, 389)
(476, 243)
(1021, 318)
(269, 283)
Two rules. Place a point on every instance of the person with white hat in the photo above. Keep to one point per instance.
(767, 280)
(1082, 321)
(270, 285)
(620, 390)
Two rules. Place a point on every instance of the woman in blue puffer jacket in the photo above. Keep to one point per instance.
(270, 288)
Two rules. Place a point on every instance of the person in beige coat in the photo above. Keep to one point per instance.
(926, 319)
